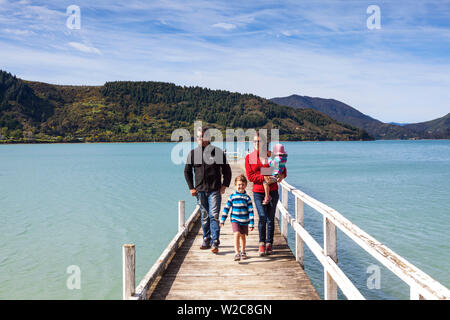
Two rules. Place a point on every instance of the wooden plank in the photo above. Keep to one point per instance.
(200, 274)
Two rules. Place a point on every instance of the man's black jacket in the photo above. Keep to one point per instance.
(209, 164)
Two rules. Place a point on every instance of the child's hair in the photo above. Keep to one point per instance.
(241, 178)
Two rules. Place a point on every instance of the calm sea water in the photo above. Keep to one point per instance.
(67, 205)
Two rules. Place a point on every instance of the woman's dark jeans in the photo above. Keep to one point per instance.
(266, 213)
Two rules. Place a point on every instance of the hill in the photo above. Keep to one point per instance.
(434, 129)
(347, 114)
(146, 111)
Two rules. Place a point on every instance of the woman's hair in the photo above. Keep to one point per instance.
(263, 139)
(241, 178)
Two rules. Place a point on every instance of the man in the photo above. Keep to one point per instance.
(209, 164)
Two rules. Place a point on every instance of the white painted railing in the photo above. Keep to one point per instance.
(141, 292)
(421, 285)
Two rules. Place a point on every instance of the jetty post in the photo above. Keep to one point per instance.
(128, 275)
(181, 215)
(299, 244)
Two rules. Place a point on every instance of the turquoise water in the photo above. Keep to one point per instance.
(76, 204)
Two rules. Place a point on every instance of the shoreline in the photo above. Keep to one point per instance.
(105, 142)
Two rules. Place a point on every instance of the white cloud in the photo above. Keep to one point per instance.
(289, 33)
(18, 32)
(84, 48)
(226, 26)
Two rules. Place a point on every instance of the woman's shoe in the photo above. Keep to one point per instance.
(237, 257)
(262, 250)
(269, 249)
(243, 255)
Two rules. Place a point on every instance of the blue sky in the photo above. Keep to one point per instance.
(321, 48)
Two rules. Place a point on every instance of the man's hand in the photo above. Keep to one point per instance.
(220, 225)
(252, 228)
(222, 189)
(193, 192)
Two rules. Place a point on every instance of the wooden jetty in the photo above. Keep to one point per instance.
(183, 271)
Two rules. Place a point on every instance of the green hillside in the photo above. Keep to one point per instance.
(146, 111)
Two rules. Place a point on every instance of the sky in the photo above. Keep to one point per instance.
(398, 72)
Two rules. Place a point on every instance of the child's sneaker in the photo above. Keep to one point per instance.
(237, 257)
(269, 249)
(266, 201)
(262, 249)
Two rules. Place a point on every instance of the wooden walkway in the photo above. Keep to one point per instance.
(200, 274)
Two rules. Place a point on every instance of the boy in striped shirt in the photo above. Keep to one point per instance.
(241, 215)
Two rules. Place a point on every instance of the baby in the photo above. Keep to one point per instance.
(277, 164)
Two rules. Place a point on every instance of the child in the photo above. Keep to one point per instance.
(277, 166)
(241, 215)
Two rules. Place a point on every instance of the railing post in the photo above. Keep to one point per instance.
(330, 249)
(415, 295)
(128, 271)
(284, 221)
(277, 211)
(299, 244)
(181, 215)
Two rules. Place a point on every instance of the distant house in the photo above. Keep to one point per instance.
(2, 137)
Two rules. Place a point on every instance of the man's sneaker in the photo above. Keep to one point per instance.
(262, 249)
(215, 247)
(269, 249)
(205, 244)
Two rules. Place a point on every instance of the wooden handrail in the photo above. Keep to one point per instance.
(422, 286)
(333, 270)
(164, 259)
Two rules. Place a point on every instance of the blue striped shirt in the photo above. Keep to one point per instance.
(241, 209)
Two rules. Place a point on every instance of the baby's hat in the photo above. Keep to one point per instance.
(278, 149)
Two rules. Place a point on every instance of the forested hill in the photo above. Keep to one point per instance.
(146, 111)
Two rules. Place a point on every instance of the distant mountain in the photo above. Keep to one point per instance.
(147, 111)
(398, 124)
(436, 129)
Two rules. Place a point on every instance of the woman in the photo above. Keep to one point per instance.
(266, 213)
